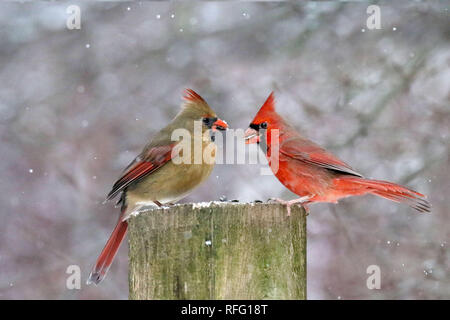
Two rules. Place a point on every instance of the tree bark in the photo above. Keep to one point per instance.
(218, 251)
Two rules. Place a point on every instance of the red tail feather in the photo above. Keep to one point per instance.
(385, 189)
(108, 253)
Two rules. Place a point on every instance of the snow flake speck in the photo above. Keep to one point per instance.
(88, 45)
(30, 171)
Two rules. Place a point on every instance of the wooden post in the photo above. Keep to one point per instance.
(218, 250)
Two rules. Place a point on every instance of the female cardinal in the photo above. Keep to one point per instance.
(312, 172)
(155, 177)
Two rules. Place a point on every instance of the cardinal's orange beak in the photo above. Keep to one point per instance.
(219, 125)
(251, 136)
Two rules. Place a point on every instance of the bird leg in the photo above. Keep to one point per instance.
(288, 203)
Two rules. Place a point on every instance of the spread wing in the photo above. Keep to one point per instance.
(146, 163)
(308, 152)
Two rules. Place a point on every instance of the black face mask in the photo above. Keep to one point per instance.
(209, 121)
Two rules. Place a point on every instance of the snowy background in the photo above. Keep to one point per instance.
(77, 105)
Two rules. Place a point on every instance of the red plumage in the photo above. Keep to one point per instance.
(108, 253)
(315, 174)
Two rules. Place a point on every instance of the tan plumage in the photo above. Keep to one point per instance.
(156, 175)
(173, 182)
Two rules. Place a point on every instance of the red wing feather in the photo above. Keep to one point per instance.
(142, 166)
(308, 152)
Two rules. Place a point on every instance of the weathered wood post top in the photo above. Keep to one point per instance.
(218, 250)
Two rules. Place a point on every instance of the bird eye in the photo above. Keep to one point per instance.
(206, 121)
(263, 125)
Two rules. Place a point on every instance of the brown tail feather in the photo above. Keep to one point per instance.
(394, 192)
(108, 253)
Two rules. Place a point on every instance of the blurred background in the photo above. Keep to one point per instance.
(76, 106)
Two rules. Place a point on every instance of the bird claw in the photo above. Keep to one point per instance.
(288, 203)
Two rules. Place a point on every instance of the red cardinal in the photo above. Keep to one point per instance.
(155, 178)
(312, 172)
